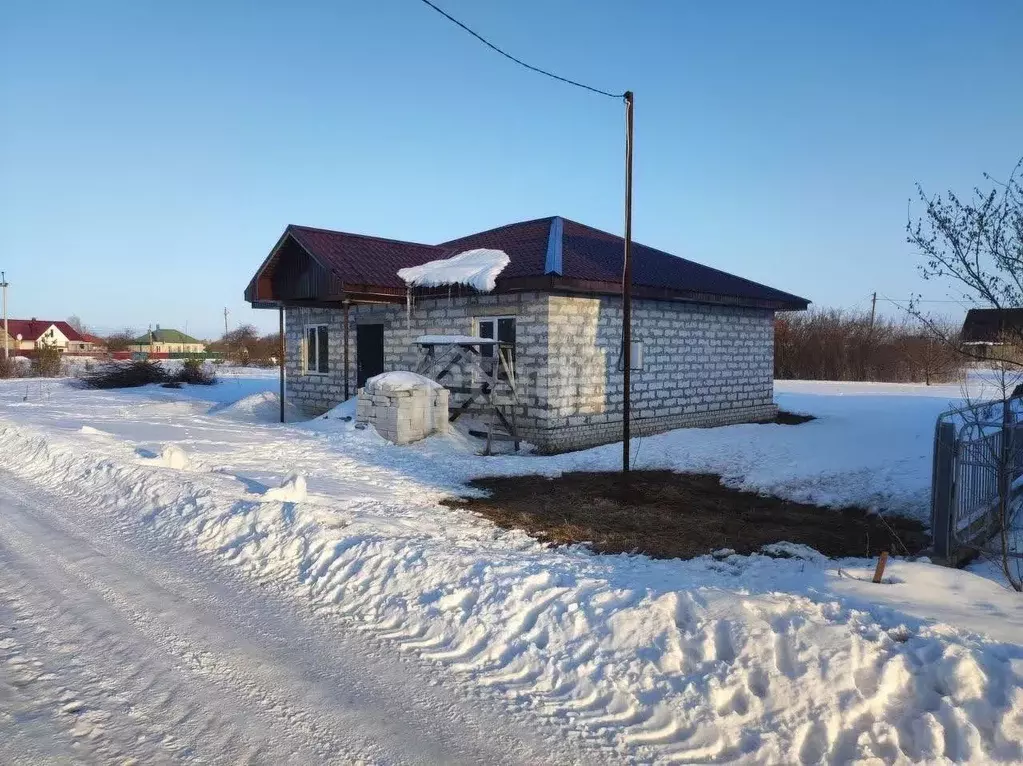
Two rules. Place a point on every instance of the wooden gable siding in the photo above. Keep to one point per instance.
(295, 275)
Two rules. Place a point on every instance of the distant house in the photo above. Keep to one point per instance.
(31, 334)
(93, 343)
(161, 341)
(985, 329)
(703, 339)
(10, 345)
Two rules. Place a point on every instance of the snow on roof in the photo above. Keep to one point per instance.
(455, 340)
(477, 268)
(400, 380)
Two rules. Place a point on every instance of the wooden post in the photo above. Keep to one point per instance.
(881, 562)
(281, 352)
(345, 305)
(627, 292)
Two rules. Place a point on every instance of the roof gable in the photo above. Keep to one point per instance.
(991, 325)
(363, 260)
(33, 329)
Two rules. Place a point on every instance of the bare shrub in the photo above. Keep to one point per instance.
(142, 373)
(244, 345)
(120, 341)
(831, 344)
(126, 375)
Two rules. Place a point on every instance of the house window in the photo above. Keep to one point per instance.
(317, 360)
(502, 329)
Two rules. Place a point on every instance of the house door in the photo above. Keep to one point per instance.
(369, 352)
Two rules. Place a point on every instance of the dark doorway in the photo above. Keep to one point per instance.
(369, 352)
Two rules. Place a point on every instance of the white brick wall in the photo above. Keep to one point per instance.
(704, 365)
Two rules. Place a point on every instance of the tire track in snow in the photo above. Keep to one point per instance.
(226, 679)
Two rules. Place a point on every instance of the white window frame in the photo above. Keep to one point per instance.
(315, 369)
(498, 370)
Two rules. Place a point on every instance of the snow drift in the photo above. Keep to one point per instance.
(292, 490)
(171, 456)
(264, 407)
(476, 268)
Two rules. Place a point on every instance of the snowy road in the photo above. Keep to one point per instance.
(117, 646)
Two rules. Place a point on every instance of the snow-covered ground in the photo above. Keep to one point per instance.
(796, 660)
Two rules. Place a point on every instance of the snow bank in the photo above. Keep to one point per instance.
(171, 456)
(264, 407)
(292, 490)
(400, 380)
(476, 268)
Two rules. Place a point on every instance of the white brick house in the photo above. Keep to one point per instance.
(707, 337)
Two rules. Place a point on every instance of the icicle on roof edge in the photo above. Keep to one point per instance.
(477, 268)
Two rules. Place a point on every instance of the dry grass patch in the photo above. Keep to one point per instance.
(670, 515)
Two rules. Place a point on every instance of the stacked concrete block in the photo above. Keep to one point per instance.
(404, 415)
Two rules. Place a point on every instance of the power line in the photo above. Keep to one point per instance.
(518, 61)
(920, 300)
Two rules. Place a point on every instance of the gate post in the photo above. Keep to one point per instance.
(942, 485)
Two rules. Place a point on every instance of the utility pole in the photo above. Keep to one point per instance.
(627, 292)
(3, 284)
(226, 312)
(873, 310)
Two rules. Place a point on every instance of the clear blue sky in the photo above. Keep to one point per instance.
(152, 152)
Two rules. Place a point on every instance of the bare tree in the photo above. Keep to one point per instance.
(120, 341)
(933, 350)
(976, 246)
(77, 324)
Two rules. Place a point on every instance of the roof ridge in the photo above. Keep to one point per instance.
(499, 228)
(361, 236)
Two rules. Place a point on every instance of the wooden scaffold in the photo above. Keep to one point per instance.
(447, 353)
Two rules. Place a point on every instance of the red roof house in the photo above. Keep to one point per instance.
(29, 334)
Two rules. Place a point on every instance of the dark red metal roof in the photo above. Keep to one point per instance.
(363, 260)
(586, 254)
(589, 253)
(32, 329)
(525, 243)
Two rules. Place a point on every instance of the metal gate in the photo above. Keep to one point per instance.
(978, 459)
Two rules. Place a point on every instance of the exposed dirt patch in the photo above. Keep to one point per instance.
(785, 418)
(672, 515)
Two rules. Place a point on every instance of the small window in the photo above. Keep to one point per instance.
(502, 329)
(317, 354)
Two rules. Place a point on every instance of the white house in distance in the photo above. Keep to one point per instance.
(31, 334)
